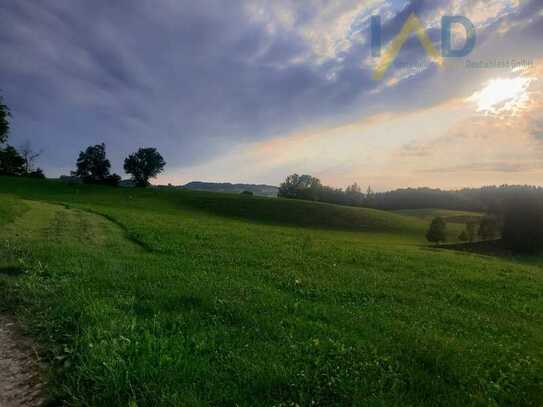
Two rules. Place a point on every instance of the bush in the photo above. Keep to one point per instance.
(437, 231)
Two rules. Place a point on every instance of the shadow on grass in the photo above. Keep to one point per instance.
(497, 249)
(494, 248)
(11, 271)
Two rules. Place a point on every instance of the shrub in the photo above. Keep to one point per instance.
(437, 231)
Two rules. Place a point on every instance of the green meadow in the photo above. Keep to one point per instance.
(177, 298)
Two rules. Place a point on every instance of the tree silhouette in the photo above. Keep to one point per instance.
(301, 187)
(437, 231)
(93, 167)
(4, 122)
(354, 195)
(11, 162)
(146, 163)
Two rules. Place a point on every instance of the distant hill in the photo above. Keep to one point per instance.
(259, 190)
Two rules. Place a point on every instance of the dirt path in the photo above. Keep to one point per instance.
(20, 380)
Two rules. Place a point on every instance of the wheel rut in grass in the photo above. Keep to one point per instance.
(21, 382)
(70, 226)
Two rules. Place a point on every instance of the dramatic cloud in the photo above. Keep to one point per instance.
(241, 90)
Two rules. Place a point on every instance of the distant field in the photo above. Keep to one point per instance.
(449, 216)
(456, 220)
(145, 298)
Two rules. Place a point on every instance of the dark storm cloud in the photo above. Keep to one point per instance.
(190, 77)
(193, 78)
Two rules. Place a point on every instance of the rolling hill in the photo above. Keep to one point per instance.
(152, 298)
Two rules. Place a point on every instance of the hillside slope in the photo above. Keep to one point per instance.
(141, 299)
(255, 209)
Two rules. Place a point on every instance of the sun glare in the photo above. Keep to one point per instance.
(503, 96)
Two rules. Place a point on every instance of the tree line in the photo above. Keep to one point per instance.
(490, 199)
(517, 225)
(487, 228)
(92, 165)
(514, 213)
(307, 187)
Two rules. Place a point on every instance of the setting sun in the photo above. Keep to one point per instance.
(503, 96)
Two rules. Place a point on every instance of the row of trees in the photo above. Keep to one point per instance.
(489, 199)
(515, 213)
(519, 223)
(16, 162)
(93, 167)
(307, 187)
(488, 228)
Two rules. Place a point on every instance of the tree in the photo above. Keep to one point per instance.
(354, 195)
(463, 236)
(146, 163)
(471, 231)
(11, 162)
(523, 224)
(489, 228)
(437, 231)
(93, 167)
(4, 122)
(29, 155)
(301, 187)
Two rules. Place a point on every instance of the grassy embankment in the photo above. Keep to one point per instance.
(182, 298)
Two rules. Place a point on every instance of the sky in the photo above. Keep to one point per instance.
(252, 91)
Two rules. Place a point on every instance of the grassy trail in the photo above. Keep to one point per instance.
(60, 225)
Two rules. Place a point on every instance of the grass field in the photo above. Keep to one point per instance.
(450, 216)
(143, 298)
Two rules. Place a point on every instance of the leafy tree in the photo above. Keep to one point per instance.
(94, 168)
(4, 122)
(146, 163)
(354, 195)
(463, 236)
(523, 224)
(489, 228)
(437, 231)
(471, 231)
(11, 162)
(301, 187)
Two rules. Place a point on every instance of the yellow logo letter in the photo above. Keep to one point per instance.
(412, 24)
